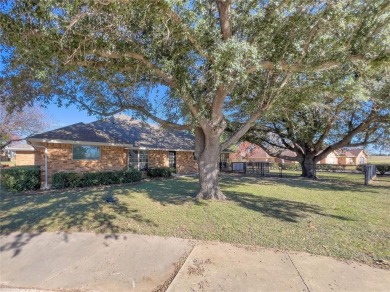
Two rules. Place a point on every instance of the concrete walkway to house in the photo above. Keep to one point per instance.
(128, 262)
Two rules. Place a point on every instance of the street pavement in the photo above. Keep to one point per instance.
(130, 262)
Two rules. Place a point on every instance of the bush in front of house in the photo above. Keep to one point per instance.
(21, 178)
(132, 175)
(63, 180)
(159, 172)
(88, 179)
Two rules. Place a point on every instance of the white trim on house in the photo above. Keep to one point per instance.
(59, 141)
(19, 149)
(159, 149)
(126, 146)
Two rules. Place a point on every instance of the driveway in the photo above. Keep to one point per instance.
(129, 262)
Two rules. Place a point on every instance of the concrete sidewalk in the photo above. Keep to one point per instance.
(128, 262)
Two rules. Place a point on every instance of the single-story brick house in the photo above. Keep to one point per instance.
(250, 152)
(346, 157)
(117, 143)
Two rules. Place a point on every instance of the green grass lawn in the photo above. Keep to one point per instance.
(336, 216)
(10, 163)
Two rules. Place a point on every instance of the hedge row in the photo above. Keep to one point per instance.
(87, 179)
(21, 178)
(382, 168)
(160, 172)
(285, 166)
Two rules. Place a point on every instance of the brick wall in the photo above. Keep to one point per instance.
(158, 158)
(185, 162)
(112, 158)
(60, 160)
(25, 158)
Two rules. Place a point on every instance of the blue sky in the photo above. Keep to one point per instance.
(64, 116)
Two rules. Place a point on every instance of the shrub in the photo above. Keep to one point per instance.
(285, 166)
(66, 180)
(21, 178)
(88, 179)
(360, 167)
(160, 172)
(132, 176)
(291, 166)
(382, 169)
(91, 179)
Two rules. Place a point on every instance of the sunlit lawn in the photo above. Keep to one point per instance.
(336, 216)
(379, 159)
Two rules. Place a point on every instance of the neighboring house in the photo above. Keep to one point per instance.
(359, 156)
(346, 157)
(20, 154)
(116, 143)
(331, 158)
(249, 152)
(246, 151)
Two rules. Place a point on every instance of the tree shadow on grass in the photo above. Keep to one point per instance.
(170, 191)
(284, 210)
(70, 210)
(179, 192)
(333, 184)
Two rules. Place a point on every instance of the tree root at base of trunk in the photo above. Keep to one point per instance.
(214, 195)
(309, 176)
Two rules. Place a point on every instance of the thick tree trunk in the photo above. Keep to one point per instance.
(308, 167)
(208, 151)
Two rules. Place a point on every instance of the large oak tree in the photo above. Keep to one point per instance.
(204, 61)
(349, 111)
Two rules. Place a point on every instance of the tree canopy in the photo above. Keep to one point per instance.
(349, 111)
(17, 125)
(185, 64)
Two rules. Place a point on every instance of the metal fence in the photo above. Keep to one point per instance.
(369, 173)
(294, 169)
(257, 168)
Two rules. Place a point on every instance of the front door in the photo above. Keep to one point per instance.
(172, 159)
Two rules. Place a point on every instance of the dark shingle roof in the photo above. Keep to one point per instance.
(123, 130)
(76, 132)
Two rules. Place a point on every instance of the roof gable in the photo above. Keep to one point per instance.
(356, 152)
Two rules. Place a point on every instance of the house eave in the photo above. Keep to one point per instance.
(129, 146)
(161, 149)
(19, 149)
(72, 142)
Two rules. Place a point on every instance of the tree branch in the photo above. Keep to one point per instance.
(140, 109)
(2, 146)
(163, 75)
(189, 33)
(225, 18)
(297, 67)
